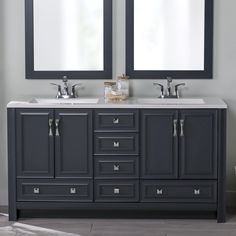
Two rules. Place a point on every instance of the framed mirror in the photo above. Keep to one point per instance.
(68, 39)
(169, 38)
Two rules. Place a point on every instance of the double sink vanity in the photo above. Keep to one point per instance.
(143, 153)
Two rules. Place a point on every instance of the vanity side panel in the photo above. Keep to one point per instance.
(11, 129)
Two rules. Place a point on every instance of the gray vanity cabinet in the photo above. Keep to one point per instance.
(150, 159)
(198, 144)
(159, 144)
(73, 143)
(34, 143)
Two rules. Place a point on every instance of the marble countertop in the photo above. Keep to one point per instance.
(214, 103)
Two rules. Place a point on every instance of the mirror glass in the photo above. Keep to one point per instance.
(169, 38)
(68, 35)
(71, 38)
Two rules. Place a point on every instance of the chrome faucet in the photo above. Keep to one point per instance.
(65, 92)
(169, 93)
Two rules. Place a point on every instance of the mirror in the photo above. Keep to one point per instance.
(169, 38)
(68, 38)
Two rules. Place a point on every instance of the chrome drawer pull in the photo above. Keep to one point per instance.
(36, 190)
(50, 122)
(116, 191)
(57, 121)
(73, 190)
(175, 128)
(116, 167)
(159, 191)
(181, 128)
(116, 121)
(197, 192)
(116, 144)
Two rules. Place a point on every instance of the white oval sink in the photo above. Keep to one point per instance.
(66, 101)
(171, 101)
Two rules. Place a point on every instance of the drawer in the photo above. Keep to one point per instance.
(116, 143)
(179, 191)
(54, 190)
(116, 167)
(116, 191)
(116, 120)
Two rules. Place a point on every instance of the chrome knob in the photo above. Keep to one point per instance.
(116, 191)
(159, 191)
(197, 192)
(36, 190)
(116, 167)
(73, 190)
(116, 121)
(116, 144)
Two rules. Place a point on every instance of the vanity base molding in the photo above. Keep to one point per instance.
(117, 159)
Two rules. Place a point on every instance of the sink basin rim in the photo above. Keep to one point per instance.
(171, 101)
(69, 101)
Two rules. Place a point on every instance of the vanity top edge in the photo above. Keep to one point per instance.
(209, 103)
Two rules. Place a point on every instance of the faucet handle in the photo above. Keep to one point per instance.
(59, 93)
(162, 89)
(73, 94)
(177, 87)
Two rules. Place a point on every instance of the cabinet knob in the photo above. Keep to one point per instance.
(116, 144)
(197, 192)
(73, 191)
(57, 121)
(175, 128)
(116, 167)
(36, 190)
(116, 121)
(116, 191)
(159, 191)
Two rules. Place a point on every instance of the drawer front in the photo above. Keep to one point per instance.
(116, 143)
(179, 191)
(116, 120)
(116, 167)
(116, 191)
(53, 190)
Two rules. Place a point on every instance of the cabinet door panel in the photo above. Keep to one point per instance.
(35, 144)
(159, 144)
(198, 154)
(74, 143)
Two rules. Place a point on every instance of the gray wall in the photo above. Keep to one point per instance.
(13, 85)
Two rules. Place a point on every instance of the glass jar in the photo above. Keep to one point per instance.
(108, 87)
(123, 85)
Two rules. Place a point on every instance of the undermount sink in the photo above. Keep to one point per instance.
(66, 101)
(172, 101)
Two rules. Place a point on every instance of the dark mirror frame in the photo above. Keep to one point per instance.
(29, 49)
(161, 74)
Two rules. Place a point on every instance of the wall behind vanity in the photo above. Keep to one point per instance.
(14, 86)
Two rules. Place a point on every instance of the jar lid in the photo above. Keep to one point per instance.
(123, 77)
(109, 83)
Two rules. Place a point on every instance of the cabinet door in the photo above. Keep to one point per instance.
(34, 143)
(159, 137)
(73, 137)
(198, 143)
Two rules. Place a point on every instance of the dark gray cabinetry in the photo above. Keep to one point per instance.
(198, 144)
(34, 143)
(159, 159)
(73, 143)
(159, 144)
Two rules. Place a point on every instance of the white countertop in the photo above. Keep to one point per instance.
(209, 103)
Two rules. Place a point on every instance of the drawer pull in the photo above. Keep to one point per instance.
(116, 191)
(197, 192)
(116, 121)
(159, 191)
(116, 167)
(36, 190)
(116, 144)
(73, 190)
